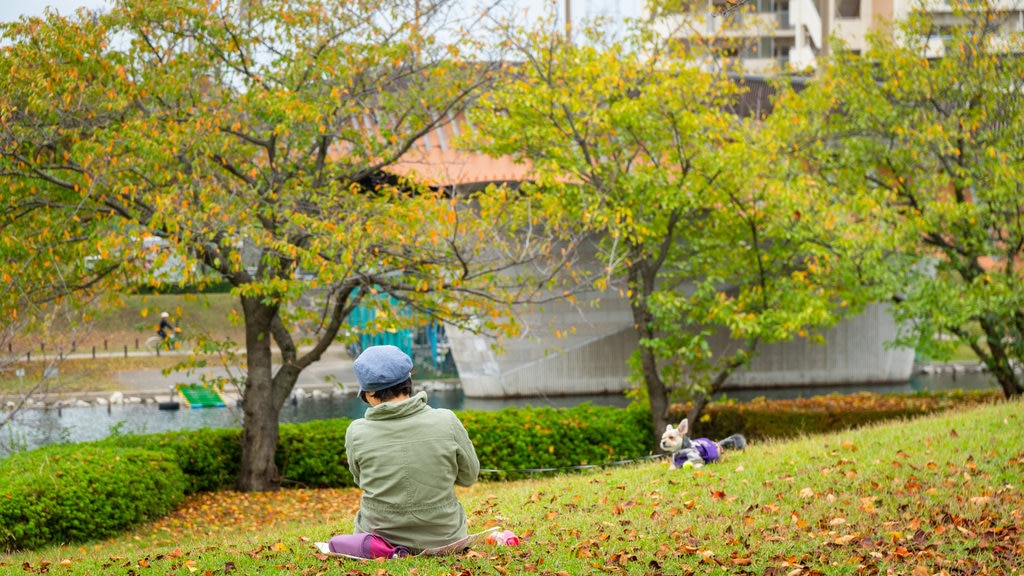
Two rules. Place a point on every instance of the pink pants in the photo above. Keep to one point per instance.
(366, 546)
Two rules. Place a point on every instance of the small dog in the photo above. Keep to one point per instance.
(696, 452)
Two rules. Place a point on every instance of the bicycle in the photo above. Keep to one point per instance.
(155, 343)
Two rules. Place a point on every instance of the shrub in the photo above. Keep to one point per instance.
(514, 441)
(517, 442)
(312, 454)
(761, 418)
(75, 493)
(209, 457)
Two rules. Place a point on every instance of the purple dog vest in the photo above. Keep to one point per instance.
(708, 450)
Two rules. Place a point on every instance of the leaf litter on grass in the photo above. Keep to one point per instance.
(910, 498)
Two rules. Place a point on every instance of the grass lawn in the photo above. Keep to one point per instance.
(130, 324)
(83, 374)
(110, 334)
(936, 495)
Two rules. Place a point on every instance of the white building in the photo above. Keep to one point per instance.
(773, 35)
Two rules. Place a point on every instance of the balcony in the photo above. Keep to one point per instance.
(744, 24)
(782, 20)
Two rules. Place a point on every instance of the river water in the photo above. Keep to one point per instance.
(35, 428)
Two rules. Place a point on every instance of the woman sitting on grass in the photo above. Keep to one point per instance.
(407, 458)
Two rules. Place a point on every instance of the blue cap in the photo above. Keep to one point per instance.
(380, 367)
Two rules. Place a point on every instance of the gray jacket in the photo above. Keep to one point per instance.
(407, 457)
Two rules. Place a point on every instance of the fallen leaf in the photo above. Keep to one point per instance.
(845, 540)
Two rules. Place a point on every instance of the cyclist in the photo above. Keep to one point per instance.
(166, 328)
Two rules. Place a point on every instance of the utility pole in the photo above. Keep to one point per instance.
(828, 10)
(568, 21)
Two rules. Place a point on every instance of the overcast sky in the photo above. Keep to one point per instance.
(12, 9)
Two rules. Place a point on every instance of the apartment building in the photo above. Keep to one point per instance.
(771, 35)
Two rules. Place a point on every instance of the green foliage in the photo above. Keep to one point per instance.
(702, 221)
(313, 454)
(256, 144)
(208, 457)
(515, 440)
(920, 137)
(76, 493)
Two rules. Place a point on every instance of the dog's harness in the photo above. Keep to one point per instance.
(708, 450)
(705, 448)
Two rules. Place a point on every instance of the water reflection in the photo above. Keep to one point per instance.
(35, 428)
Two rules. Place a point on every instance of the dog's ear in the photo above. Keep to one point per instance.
(684, 426)
(669, 428)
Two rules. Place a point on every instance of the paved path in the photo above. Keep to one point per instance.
(326, 374)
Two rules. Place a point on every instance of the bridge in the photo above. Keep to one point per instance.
(591, 359)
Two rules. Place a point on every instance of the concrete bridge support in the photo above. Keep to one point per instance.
(583, 350)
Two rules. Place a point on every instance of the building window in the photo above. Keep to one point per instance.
(848, 8)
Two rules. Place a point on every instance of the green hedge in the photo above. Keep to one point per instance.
(518, 441)
(312, 455)
(73, 493)
(762, 419)
(308, 455)
(209, 457)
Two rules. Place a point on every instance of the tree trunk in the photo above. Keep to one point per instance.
(656, 393)
(641, 282)
(261, 403)
(999, 362)
(266, 392)
(700, 400)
